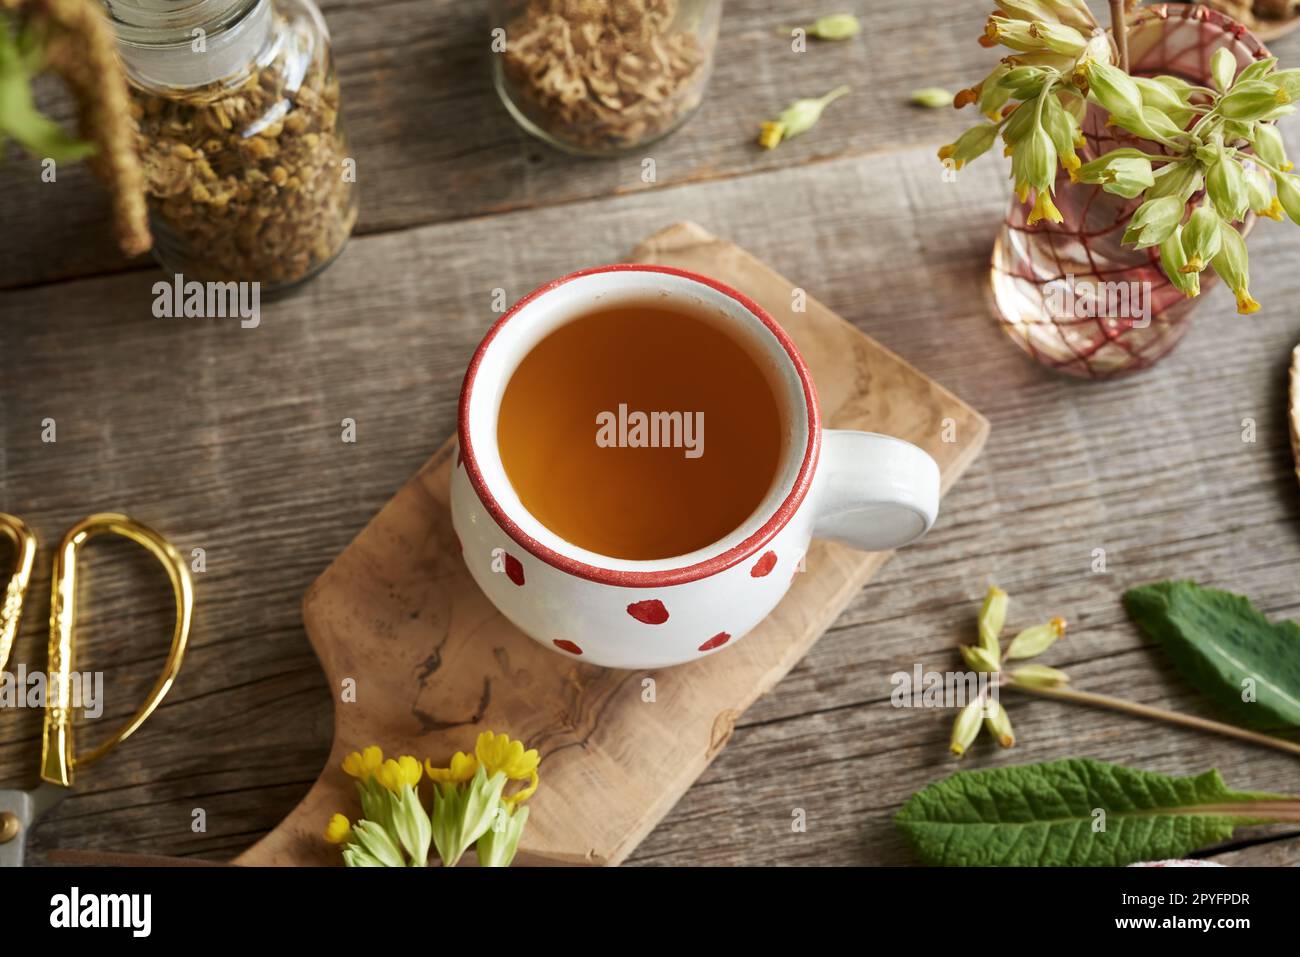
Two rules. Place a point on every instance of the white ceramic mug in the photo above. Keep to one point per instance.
(869, 491)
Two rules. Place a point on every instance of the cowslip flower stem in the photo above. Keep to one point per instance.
(1095, 700)
(1119, 30)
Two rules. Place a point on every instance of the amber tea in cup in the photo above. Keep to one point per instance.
(640, 432)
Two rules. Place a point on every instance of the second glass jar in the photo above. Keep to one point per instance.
(602, 77)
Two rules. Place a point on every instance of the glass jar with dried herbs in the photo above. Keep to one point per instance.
(236, 105)
(602, 77)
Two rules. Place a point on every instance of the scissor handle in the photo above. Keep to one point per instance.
(58, 758)
(15, 593)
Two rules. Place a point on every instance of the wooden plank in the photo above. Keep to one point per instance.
(433, 143)
(228, 439)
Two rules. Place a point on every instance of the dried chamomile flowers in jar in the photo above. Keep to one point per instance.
(600, 77)
(236, 105)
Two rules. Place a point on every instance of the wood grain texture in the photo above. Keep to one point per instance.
(433, 663)
(228, 439)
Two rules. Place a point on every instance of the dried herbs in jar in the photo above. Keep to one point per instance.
(603, 76)
(246, 166)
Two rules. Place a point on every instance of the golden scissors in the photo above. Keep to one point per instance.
(59, 760)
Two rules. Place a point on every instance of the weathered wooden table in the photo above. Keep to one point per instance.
(229, 439)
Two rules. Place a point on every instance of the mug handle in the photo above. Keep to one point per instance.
(876, 492)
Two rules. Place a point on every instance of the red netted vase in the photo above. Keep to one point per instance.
(1070, 294)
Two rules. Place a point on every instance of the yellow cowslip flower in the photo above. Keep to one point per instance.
(462, 768)
(524, 793)
(770, 134)
(1274, 210)
(1044, 208)
(499, 753)
(1245, 303)
(363, 766)
(338, 830)
(394, 774)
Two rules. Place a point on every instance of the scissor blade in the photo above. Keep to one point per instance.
(26, 806)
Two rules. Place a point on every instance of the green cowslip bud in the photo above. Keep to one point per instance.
(1153, 222)
(933, 97)
(1237, 130)
(802, 115)
(1154, 124)
(1162, 97)
(1059, 38)
(1073, 13)
(1039, 676)
(1257, 70)
(1036, 639)
(1018, 124)
(1223, 67)
(1033, 162)
(1074, 104)
(967, 727)
(1210, 151)
(979, 659)
(1225, 184)
(1011, 33)
(1233, 268)
(1180, 179)
(1127, 177)
(1288, 194)
(993, 615)
(1267, 141)
(1115, 91)
(1064, 131)
(999, 723)
(1180, 87)
(1201, 238)
(834, 26)
(1252, 100)
(1287, 80)
(1172, 260)
(1094, 171)
(1025, 9)
(1259, 187)
(992, 94)
(1025, 82)
(970, 145)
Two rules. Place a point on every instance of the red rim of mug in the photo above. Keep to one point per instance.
(673, 576)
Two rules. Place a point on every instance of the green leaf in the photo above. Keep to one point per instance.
(1219, 640)
(1077, 812)
(19, 117)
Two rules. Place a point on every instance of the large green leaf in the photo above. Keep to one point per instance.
(1077, 812)
(1223, 645)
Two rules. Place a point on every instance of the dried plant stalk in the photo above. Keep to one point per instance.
(79, 48)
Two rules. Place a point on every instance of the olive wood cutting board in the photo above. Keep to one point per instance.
(434, 664)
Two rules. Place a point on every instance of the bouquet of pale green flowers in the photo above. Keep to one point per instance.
(1215, 153)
